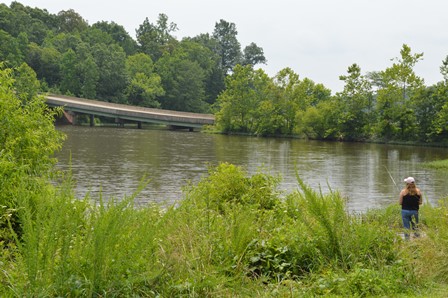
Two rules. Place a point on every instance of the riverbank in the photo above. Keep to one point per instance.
(231, 236)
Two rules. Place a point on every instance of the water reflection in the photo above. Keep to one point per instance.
(114, 160)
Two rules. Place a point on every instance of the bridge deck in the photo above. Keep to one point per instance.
(133, 113)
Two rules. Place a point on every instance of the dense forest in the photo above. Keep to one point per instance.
(212, 73)
(102, 61)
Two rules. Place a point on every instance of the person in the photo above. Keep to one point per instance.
(410, 201)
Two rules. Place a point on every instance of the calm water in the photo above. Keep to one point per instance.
(113, 160)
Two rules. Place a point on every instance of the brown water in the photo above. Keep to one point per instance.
(114, 160)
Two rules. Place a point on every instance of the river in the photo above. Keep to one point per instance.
(114, 160)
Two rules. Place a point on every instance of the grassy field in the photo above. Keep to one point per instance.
(233, 235)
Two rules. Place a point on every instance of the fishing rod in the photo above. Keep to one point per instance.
(392, 178)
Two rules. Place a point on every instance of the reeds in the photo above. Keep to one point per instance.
(232, 235)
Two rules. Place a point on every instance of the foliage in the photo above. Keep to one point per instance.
(28, 141)
(229, 47)
(232, 235)
(355, 104)
(156, 39)
(72, 57)
(247, 93)
(253, 54)
(145, 84)
(437, 164)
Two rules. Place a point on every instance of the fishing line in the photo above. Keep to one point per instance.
(392, 178)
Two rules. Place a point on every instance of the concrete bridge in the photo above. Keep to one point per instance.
(123, 113)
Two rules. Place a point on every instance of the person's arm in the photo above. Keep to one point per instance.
(420, 200)
(400, 200)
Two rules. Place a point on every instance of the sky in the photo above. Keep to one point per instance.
(318, 39)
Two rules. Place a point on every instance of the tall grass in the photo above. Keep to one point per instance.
(232, 235)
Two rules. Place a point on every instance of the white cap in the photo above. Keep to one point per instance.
(409, 180)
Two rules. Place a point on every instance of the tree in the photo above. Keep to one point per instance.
(287, 82)
(214, 80)
(253, 54)
(355, 105)
(112, 82)
(46, 62)
(9, 49)
(70, 83)
(183, 82)
(438, 103)
(119, 35)
(229, 47)
(145, 85)
(395, 99)
(239, 105)
(320, 121)
(70, 21)
(156, 39)
(444, 69)
(87, 71)
(28, 138)
(25, 83)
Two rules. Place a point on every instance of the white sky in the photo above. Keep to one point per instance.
(318, 39)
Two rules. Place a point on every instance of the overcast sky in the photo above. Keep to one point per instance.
(318, 39)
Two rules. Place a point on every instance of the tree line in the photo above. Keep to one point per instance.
(102, 61)
(211, 73)
(388, 105)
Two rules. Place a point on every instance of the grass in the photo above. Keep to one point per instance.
(231, 236)
(437, 164)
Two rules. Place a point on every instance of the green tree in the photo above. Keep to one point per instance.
(253, 54)
(240, 105)
(70, 21)
(25, 83)
(156, 39)
(229, 46)
(444, 69)
(287, 82)
(33, 22)
(139, 63)
(214, 80)
(9, 50)
(46, 62)
(87, 72)
(28, 140)
(94, 36)
(119, 35)
(430, 109)
(70, 83)
(145, 85)
(183, 82)
(439, 104)
(355, 105)
(320, 121)
(112, 82)
(62, 41)
(395, 108)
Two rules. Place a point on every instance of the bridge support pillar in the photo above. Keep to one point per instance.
(139, 125)
(92, 120)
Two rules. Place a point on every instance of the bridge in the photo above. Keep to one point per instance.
(121, 112)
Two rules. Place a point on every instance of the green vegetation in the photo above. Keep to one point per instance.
(384, 106)
(212, 73)
(102, 61)
(232, 235)
(438, 164)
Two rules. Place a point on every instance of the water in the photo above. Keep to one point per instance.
(113, 161)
